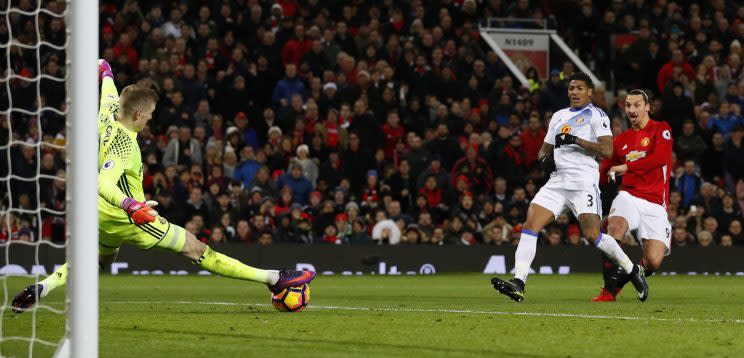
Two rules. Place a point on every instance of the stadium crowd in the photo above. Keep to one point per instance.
(376, 121)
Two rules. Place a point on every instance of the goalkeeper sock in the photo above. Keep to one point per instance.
(56, 279)
(222, 265)
(525, 254)
(609, 246)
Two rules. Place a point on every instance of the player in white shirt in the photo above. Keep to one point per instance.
(575, 137)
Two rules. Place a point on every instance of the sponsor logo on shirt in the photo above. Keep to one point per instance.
(635, 155)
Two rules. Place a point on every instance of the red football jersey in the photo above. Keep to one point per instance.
(648, 154)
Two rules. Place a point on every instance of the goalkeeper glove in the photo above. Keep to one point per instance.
(104, 69)
(547, 164)
(564, 139)
(140, 212)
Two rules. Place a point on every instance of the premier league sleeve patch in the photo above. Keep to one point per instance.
(666, 134)
(108, 164)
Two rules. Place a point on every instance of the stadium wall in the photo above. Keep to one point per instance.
(385, 260)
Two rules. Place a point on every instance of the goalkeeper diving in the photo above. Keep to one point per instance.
(124, 217)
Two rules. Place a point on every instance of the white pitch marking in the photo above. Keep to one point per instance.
(502, 313)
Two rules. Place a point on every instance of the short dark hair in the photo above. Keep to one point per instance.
(581, 76)
(642, 93)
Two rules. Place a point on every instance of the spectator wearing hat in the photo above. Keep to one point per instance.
(298, 183)
(386, 232)
(328, 97)
(554, 96)
(309, 167)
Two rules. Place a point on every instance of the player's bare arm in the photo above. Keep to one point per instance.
(545, 150)
(602, 148)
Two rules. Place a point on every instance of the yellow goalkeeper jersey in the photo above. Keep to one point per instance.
(119, 158)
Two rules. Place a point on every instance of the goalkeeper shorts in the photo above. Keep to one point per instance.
(115, 230)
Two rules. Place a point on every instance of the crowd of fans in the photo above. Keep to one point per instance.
(374, 121)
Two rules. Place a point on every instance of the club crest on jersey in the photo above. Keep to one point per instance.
(645, 141)
(566, 129)
(635, 155)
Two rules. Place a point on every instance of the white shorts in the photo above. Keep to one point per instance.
(650, 219)
(555, 197)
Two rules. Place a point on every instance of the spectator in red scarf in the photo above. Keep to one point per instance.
(334, 135)
(514, 154)
(371, 195)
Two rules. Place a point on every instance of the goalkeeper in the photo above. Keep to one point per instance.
(123, 214)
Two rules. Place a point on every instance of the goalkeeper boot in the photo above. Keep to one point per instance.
(27, 298)
(513, 288)
(290, 278)
(606, 296)
(638, 279)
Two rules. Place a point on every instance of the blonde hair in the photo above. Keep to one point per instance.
(134, 97)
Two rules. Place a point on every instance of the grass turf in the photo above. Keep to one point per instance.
(441, 315)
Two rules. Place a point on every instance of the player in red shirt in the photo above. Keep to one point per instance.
(642, 155)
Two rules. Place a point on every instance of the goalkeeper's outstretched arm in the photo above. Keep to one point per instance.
(109, 103)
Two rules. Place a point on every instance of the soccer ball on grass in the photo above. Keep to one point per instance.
(293, 299)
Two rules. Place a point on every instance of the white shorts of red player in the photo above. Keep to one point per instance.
(650, 219)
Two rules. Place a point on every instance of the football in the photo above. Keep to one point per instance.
(293, 299)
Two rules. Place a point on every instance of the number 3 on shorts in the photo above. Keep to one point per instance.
(590, 200)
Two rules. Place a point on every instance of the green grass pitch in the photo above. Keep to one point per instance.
(451, 315)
